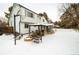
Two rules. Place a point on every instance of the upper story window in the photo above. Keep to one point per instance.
(29, 14)
(43, 20)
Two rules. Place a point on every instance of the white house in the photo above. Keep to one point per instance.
(21, 17)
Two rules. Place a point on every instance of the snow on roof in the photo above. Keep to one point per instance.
(39, 24)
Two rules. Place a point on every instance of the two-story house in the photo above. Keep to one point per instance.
(21, 17)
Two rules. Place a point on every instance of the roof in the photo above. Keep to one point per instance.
(26, 8)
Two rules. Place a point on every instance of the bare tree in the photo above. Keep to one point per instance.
(7, 15)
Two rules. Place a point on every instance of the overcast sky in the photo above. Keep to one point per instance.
(50, 8)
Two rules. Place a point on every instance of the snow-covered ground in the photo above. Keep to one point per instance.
(63, 41)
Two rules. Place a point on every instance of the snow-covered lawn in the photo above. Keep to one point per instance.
(63, 41)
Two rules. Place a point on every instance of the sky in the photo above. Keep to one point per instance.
(50, 8)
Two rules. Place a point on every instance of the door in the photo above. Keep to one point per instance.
(17, 23)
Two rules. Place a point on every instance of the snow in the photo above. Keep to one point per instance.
(63, 41)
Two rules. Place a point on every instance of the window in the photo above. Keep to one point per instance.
(29, 14)
(43, 20)
(26, 25)
(25, 13)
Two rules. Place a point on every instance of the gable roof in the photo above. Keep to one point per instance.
(30, 10)
(26, 8)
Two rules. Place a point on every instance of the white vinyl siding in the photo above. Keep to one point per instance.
(22, 11)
